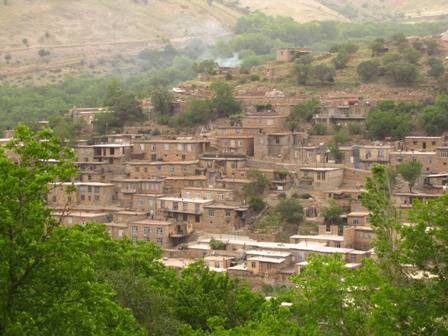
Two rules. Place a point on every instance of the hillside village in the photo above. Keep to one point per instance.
(251, 196)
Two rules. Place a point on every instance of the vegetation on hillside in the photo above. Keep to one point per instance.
(389, 119)
(258, 35)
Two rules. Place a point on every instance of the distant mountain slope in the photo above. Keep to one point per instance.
(91, 21)
(38, 36)
(307, 10)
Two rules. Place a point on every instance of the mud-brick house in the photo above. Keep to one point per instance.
(342, 113)
(431, 163)
(93, 171)
(279, 145)
(218, 263)
(241, 144)
(359, 237)
(222, 165)
(182, 209)
(69, 195)
(222, 218)
(290, 54)
(405, 200)
(147, 169)
(175, 184)
(320, 178)
(87, 115)
(324, 239)
(166, 234)
(215, 194)
(125, 189)
(180, 149)
(260, 265)
(423, 143)
(81, 217)
(270, 123)
(367, 155)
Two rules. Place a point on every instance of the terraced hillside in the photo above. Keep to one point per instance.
(71, 32)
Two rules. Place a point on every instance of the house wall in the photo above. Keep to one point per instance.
(159, 150)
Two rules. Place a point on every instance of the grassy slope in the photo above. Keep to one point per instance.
(307, 10)
(71, 22)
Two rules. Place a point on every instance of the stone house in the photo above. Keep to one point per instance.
(279, 144)
(218, 263)
(431, 163)
(222, 218)
(241, 144)
(87, 115)
(290, 54)
(181, 149)
(81, 217)
(125, 189)
(358, 237)
(147, 169)
(321, 178)
(422, 143)
(84, 193)
(182, 209)
(216, 194)
(145, 202)
(265, 122)
(259, 265)
(93, 171)
(163, 233)
(222, 165)
(175, 184)
(367, 155)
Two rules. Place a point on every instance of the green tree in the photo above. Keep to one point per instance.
(368, 70)
(162, 101)
(302, 72)
(127, 109)
(257, 203)
(223, 100)
(399, 39)
(206, 68)
(402, 73)
(391, 57)
(49, 285)
(389, 119)
(319, 129)
(105, 123)
(384, 218)
(341, 59)
(290, 210)
(8, 58)
(204, 294)
(436, 67)
(305, 110)
(412, 55)
(377, 46)
(43, 52)
(410, 170)
(66, 130)
(323, 73)
(259, 183)
(432, 46)
(434, 118)
(332, 214)
(196, 112)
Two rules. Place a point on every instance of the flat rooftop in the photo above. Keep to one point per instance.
(319, 237)
(267, 259)
(189, 200)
